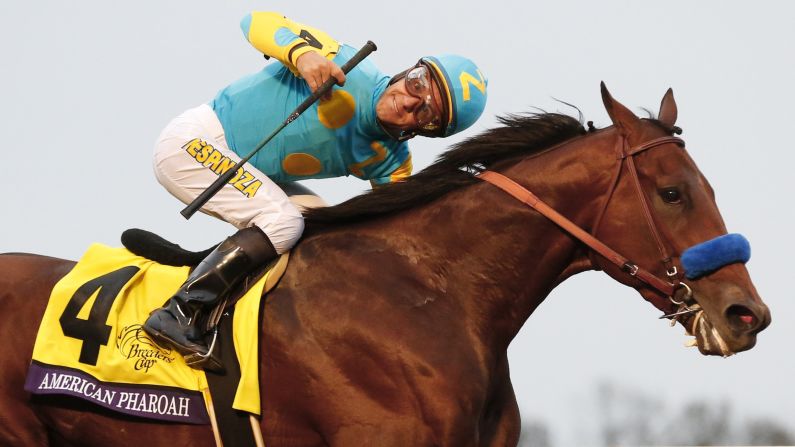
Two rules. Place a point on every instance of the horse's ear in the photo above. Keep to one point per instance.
(668, 111)
(621, 116)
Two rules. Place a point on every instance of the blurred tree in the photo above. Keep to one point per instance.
(627, 417)
(766, 432)
(700, 423)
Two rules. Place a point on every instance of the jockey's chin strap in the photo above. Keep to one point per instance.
(624, 153)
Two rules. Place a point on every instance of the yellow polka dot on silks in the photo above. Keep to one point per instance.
(299, 164)
(336, 111)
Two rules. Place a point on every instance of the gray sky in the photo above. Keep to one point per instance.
(87, 86)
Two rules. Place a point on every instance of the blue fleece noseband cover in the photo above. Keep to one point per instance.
(711, 255)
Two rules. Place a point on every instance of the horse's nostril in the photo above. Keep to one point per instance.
(741, 318)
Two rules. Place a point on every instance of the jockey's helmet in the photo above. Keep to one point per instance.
(463, 88)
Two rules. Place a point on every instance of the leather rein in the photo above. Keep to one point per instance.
(625, 155)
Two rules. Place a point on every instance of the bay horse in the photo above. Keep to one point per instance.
(391, 324)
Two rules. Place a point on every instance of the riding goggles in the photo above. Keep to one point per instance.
(419, 85)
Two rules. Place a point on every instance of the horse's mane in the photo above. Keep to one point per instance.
(518, 136)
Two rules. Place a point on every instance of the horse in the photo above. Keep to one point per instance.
(391, 325)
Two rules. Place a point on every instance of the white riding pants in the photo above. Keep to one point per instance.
(190, 154)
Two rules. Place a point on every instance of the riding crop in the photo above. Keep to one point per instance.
(224, 178)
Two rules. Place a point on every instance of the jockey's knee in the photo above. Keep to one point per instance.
(284, 231)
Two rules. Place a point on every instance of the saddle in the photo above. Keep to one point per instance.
(91, 346)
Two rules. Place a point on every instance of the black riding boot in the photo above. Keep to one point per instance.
(181, 322)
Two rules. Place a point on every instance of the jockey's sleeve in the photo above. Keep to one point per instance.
(399, 174)
(277, 36)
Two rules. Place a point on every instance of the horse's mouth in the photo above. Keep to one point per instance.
(730, 329)
(711, 342)
(707, 337)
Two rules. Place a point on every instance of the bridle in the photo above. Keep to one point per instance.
(625, 155)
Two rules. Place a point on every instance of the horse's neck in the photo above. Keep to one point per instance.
(499, 257)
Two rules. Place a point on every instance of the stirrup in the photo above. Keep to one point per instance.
(209, 361)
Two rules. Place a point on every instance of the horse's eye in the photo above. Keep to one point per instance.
(670, 195)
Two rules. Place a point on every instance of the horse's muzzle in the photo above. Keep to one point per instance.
(736, 328)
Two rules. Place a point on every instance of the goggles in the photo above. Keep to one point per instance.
(419, 85)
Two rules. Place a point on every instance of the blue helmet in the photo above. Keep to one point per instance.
(464, 88)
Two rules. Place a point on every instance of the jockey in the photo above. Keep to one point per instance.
(360, 128)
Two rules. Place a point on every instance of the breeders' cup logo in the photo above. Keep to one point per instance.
(136, 346)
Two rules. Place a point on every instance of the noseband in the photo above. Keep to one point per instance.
(624, 154)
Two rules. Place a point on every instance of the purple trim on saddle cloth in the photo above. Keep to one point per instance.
(146, 401)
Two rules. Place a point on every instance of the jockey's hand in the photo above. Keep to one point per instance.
(316, 69)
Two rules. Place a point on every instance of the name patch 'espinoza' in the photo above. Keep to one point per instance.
(210, 157)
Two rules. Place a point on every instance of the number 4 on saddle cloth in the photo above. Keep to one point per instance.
(91, 344)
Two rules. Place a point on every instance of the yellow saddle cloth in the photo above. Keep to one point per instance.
(91, 344)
